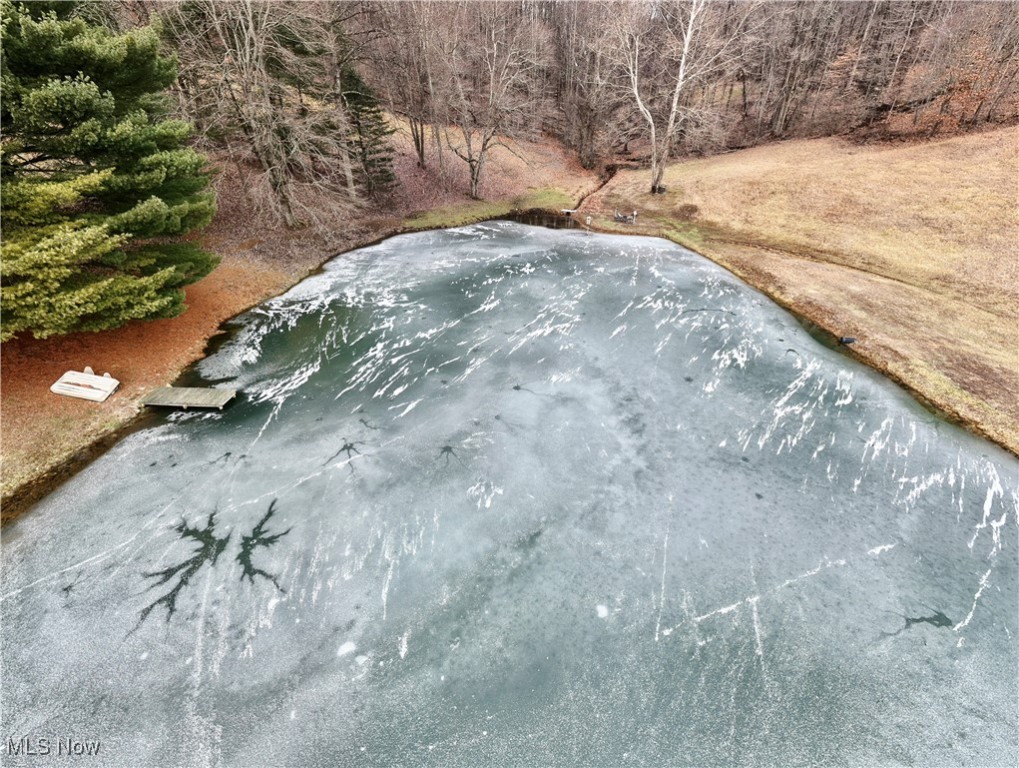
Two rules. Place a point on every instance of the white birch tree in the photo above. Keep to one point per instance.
(665, 48)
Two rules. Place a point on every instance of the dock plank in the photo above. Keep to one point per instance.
(189, 397)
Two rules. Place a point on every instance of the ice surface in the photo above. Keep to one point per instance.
(502, 495)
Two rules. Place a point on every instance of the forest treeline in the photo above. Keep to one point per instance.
(689, 76)
(101, 179)
(292, 87)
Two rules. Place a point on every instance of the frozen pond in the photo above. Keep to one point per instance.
(503, 495)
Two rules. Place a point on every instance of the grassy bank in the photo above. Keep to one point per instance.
(482, 210)
(913, 249)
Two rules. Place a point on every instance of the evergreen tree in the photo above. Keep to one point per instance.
(370, 134)
(97, 185)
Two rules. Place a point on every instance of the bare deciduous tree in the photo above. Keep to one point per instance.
(261, 79)
(591, 113)
(492, 80)
(665, 49)
(402, 65)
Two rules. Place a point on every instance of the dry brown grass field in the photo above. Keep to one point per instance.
(911, 248)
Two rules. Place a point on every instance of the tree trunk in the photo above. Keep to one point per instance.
(417, 132)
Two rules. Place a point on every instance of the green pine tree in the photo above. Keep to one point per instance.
(369, 140)
(97, 185)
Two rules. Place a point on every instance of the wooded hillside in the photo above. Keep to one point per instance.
(281, 88)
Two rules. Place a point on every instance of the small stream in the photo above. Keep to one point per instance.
(504, 495)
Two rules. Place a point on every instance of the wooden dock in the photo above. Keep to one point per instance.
(189, 397)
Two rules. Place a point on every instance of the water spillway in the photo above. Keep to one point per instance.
(502, 495)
